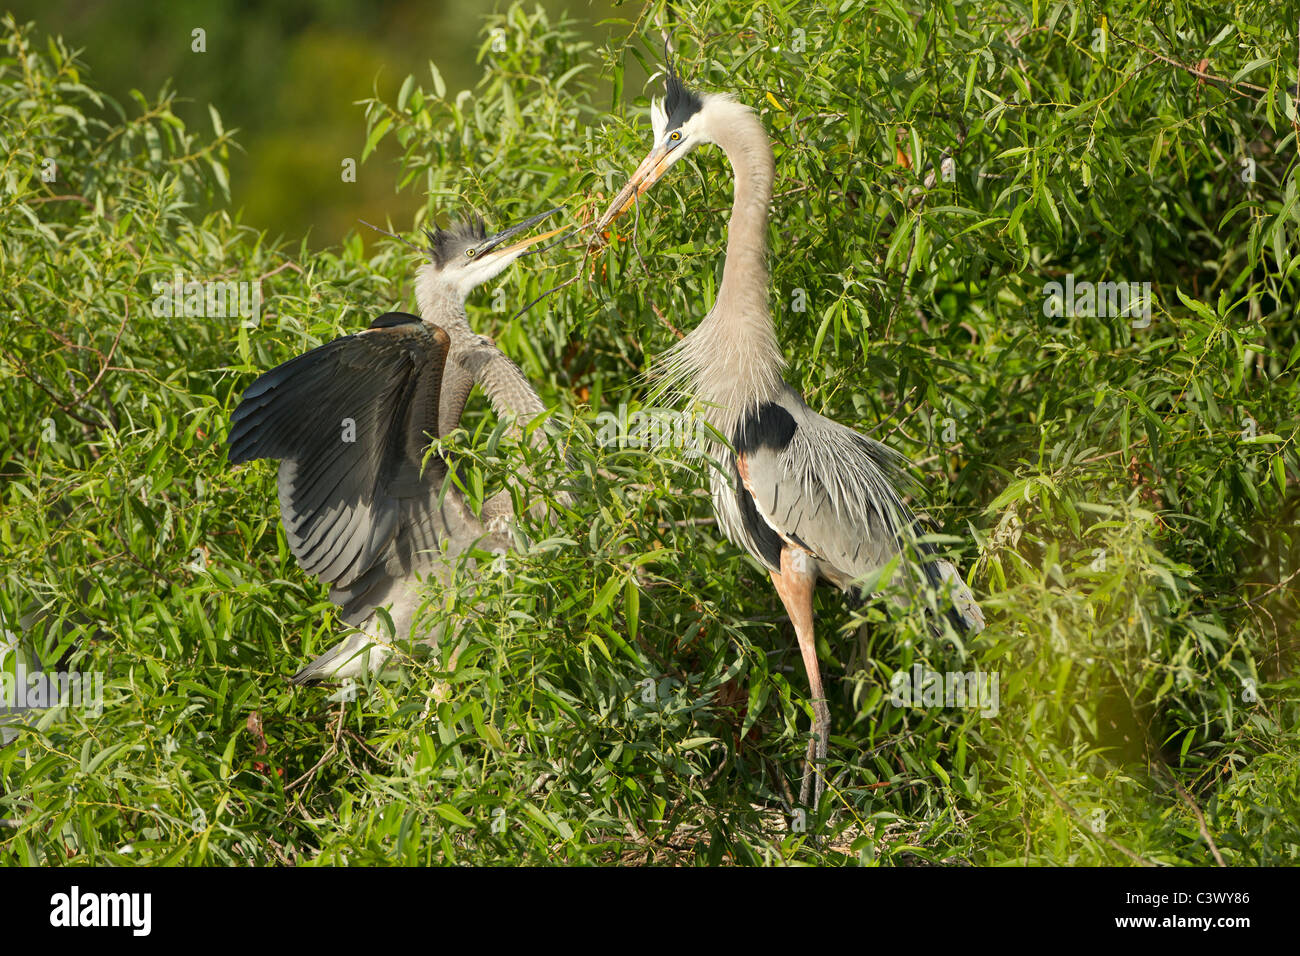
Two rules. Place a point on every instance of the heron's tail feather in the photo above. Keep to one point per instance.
(356, 656)
(963, 611)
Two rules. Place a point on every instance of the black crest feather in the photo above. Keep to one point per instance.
(447, 244)
(680, 103)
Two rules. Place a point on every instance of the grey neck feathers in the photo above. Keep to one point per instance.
(473, 359)
(504, 383)
(732, 361)
(439, 301)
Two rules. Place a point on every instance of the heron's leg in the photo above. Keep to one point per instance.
(794, 583)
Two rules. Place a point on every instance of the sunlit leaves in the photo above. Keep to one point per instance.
(1120, 489)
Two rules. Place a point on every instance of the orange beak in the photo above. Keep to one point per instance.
(519, 246)
(647, 174)
(492, 246)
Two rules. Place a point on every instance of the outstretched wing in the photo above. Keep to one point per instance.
(349, 422)
(805, 481)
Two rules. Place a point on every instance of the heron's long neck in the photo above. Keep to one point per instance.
(504, 383)
(732, 361)
(473, 359)
(441, 305)
(439, 301)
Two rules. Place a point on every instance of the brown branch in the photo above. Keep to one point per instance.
(1263, 594)
(69, 197)
(67, 409)
(77, 197)
(664, 319)
(287, 264)
(333, 749)
(1200, 817)
(126, 316)
(1195, 71)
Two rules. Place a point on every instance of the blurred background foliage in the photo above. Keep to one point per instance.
(287, 77)
(1123, 496)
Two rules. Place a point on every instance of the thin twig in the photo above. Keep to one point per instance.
(126, 316)
(1263, 594)
(65, 408)
(1200, 817)
(287, 264)
(1210, 77)
(664, 319)
(333, 749)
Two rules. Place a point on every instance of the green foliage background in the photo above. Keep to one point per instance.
(630, 691)
(286, 76)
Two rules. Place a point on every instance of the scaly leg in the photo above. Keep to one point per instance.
(795, 584)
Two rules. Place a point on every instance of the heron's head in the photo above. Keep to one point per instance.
(463, 256)
(682, 120)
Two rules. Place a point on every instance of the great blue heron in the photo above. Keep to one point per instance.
(808, 497)
(350, 421)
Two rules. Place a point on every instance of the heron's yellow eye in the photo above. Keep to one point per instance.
(677, 134)
(469, 253)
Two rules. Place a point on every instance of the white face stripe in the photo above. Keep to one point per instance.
(693, 133)
(678, 148)
(658, 119)
(692, 130)
(474, 273)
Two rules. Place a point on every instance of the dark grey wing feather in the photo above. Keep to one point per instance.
(355, 511)
(429, 537)
(826, 489)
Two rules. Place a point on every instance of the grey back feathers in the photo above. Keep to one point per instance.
(814, 484)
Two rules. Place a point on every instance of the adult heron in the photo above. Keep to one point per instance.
(350, 421)
(809, 498)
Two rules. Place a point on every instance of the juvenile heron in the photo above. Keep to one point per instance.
(809, 498)
(349, 422)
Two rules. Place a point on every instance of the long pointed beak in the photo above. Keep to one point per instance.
(646, 175)
(510, 232)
